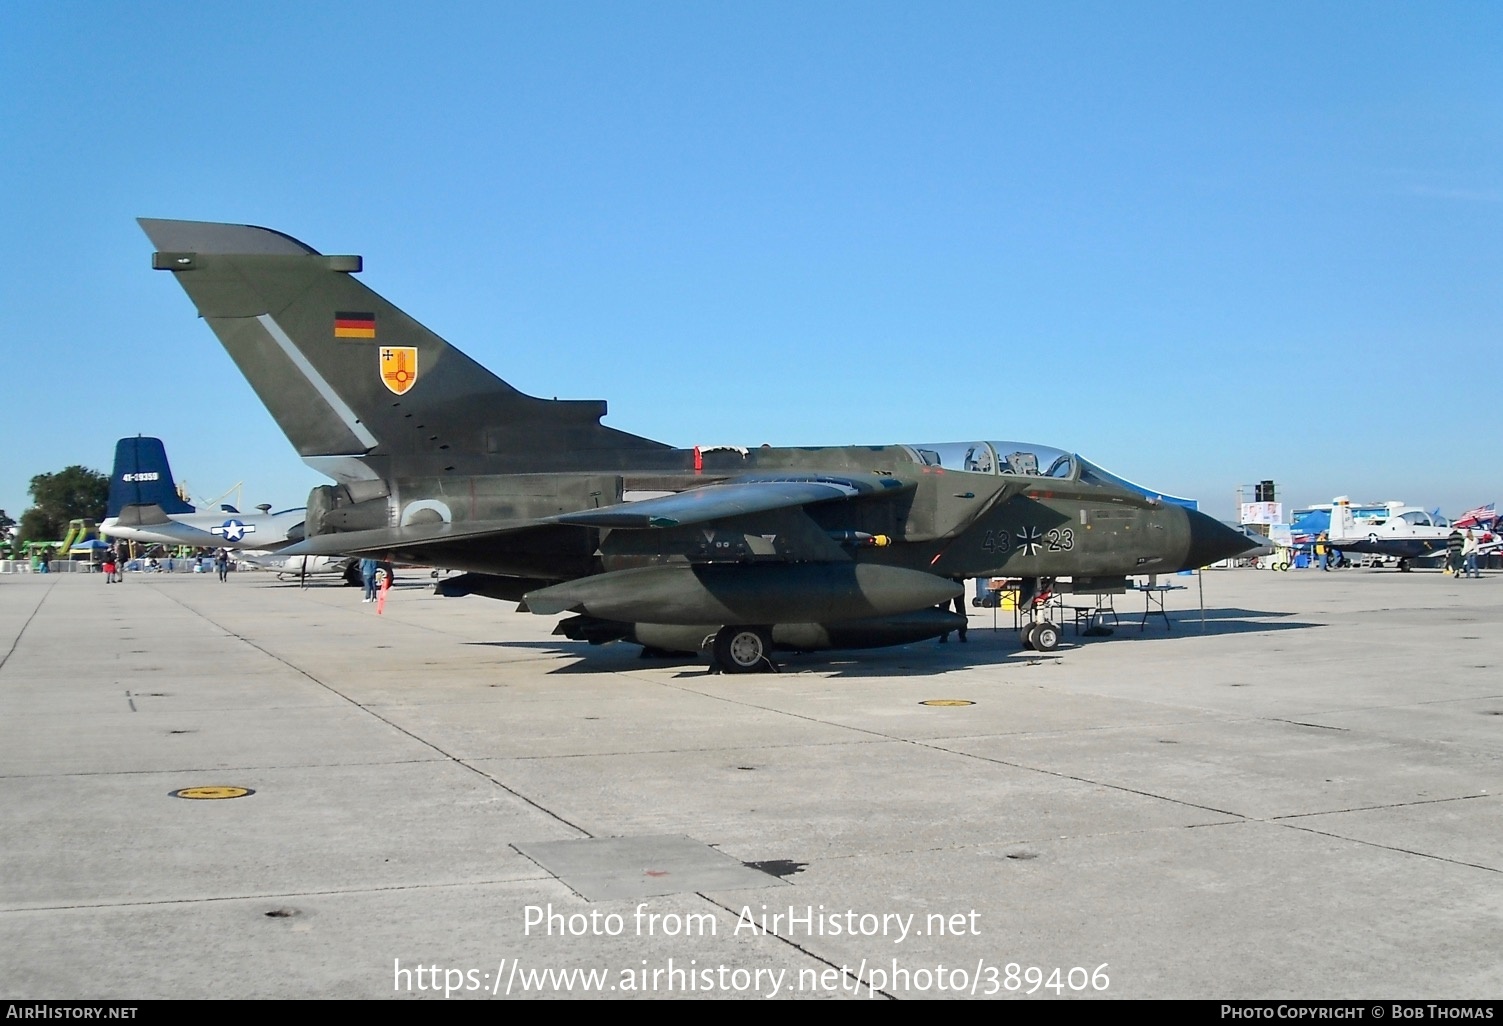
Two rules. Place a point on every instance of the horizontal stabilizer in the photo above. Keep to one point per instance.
(165, 531)
(142, 516)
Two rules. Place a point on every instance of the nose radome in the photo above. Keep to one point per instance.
(1211, 540)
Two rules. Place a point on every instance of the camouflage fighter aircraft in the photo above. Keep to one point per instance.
(739, 550)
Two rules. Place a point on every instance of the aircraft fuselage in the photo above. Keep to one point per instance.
(953, 524)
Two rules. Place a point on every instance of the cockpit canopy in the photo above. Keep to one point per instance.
(1030, 460)
(1419, 518)
(999, 458)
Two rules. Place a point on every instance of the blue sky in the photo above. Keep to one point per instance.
(1202, 244)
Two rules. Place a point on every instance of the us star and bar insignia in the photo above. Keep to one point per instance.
(354, 325)
(399, 369)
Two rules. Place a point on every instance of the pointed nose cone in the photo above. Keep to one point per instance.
(1211, 540)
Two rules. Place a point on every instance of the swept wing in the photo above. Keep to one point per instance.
(737, 497)
(707, 504)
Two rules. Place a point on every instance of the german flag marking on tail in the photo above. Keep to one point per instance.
(354, 325)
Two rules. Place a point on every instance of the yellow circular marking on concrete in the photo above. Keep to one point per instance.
(946, 702)
(211, 792)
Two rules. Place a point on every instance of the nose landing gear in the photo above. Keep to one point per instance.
(1037, 634)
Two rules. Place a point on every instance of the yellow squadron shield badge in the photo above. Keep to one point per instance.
(399, 368)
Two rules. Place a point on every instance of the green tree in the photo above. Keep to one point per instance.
(67, 495)
(37, 526)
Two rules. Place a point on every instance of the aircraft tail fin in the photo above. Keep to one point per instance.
(1343, 524)
(141, 477)
(346, 373)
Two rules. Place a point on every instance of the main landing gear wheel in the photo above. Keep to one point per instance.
(1043, 636)
(744, 650)
(1025, 635)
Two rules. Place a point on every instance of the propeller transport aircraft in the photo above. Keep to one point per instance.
(438, 462)
(144, 506)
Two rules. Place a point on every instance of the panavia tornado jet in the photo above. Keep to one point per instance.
(438, 462)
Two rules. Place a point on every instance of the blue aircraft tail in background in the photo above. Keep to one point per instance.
(142, 478)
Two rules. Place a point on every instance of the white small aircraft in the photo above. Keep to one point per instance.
(1407, 532)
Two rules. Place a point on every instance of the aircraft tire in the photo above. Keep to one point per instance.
(1026, 635)
(744, 650)
(1045, 636)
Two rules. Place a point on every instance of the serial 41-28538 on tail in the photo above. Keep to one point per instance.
(439, 462)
